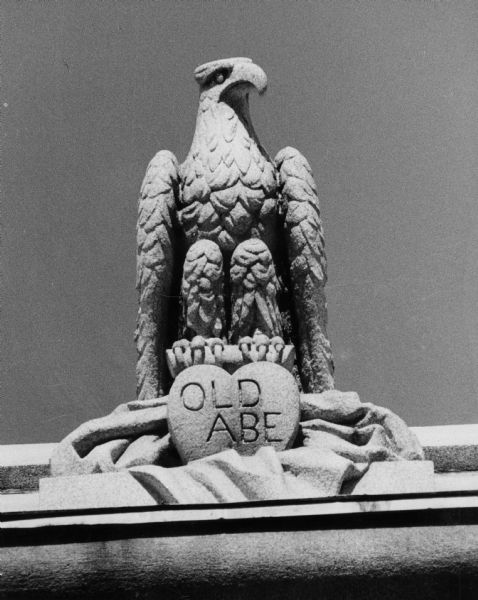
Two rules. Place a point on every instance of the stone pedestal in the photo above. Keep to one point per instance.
(121, 489)
(101, 490)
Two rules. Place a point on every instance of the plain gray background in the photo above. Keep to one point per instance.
(380, 96)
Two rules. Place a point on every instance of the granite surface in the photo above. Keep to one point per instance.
(210, 410)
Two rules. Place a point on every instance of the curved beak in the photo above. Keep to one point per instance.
(248, 74)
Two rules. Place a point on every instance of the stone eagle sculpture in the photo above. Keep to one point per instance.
(231, 259)
(233, 234)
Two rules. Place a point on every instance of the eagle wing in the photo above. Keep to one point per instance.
(307, 270)
(158, 273)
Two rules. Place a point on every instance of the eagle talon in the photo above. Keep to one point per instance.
(261, 342)
(182, 353)
(277, 341)
(217, 347)
(182, 344)
(198, 350)
(276, 349)
(267, 349)
(245, 346)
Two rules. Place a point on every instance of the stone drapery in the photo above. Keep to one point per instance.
(339, 437)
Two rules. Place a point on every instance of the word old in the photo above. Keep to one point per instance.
(210, 410)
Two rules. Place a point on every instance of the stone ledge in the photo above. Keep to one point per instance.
(22, 465)
(466, 481)
(244, 511)
(452, 448)
(274, 551)
(111, 490)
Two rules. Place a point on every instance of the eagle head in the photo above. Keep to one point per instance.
(228, 79)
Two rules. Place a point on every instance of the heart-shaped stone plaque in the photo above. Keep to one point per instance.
(210, 410)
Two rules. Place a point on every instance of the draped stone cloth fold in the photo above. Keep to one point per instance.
(339, 436)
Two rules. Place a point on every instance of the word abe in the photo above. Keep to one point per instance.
(210, 411)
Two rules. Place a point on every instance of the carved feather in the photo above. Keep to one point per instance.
(157, 256)
(226, 171)
(254, 291)
(307, 270)
(202, 290)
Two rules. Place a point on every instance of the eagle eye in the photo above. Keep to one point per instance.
(217, 77)
(221, 75)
